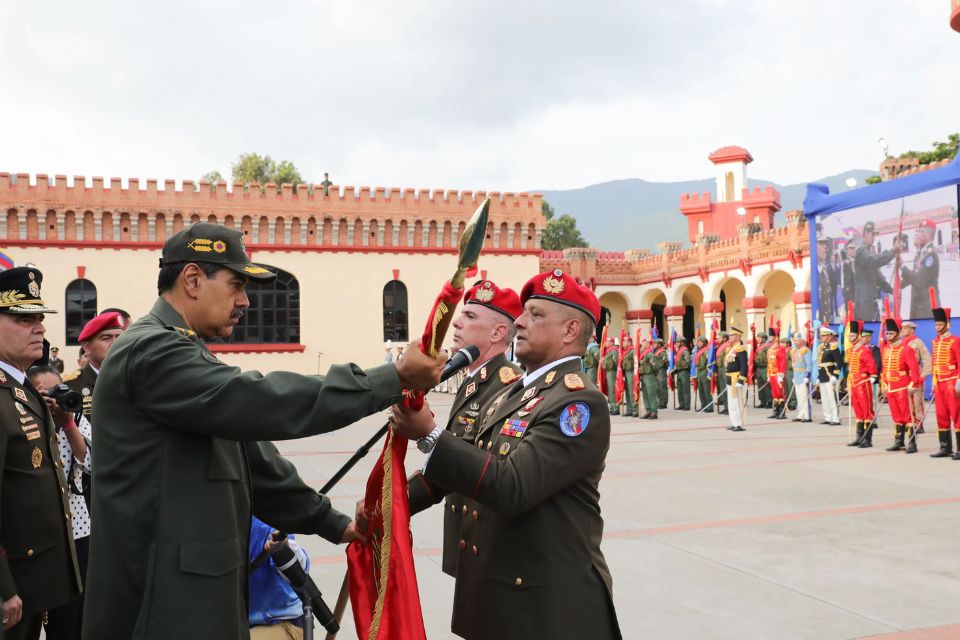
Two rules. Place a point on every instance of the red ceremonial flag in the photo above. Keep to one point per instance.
(601, 374)
(621, 383)
(636, 367)
(383, 581)
(753, 353)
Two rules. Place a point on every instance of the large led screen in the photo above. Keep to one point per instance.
(862, 251)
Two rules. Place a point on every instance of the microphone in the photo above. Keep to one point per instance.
(459, 360)
(289, 565)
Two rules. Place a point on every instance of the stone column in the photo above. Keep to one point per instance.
(638, 319)
(711, 313)
(803, 309)
(673, 316)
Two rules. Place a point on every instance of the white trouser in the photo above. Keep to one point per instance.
(803, 400)
(828, 398)
(735, 396)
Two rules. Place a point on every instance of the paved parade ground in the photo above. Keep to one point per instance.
(777, 532)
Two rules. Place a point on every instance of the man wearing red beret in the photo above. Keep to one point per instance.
(486, 322)
(534, 470)
(95, 339)
(925, 272)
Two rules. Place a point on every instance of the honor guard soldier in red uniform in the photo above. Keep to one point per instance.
(777, 374)
(861, 376)
(946, 385)
(486, 321)
(535, 471)
(900, 379)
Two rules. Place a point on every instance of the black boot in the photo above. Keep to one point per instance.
(776, 410)
(859, 438)
(867, 435)
(945, 445)
(911, 440)
(956, 456)
(898, 438)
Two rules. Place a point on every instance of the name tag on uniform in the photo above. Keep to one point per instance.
(513, 428)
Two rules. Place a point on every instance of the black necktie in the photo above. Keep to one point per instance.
(515, 389)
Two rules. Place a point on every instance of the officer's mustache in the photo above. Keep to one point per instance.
(236, 313)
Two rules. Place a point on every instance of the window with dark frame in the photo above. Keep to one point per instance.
(395, 312)
(81, 307)
(274, 313)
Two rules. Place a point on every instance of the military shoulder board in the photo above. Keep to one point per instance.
(573, 382)
(507, 375)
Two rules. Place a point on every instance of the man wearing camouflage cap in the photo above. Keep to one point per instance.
(183, 453)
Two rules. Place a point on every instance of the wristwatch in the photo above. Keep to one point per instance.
(429, 441)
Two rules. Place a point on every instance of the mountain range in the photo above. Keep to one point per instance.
(620, 215)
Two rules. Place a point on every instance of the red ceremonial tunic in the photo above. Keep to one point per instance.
(776, 366)
(901, 372)
(946, 360)
(861, 367)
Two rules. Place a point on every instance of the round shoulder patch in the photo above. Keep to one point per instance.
(928, 262)
(574, 419)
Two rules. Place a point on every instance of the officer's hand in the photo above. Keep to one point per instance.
(418, 371)
(12, 611)
(411, 424)
(362, 516)
(350, 534)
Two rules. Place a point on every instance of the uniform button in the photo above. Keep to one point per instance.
(29, 553)
(465, 510)
(476, 516)
(489, 445)
(479, 444)
(475, 550)
(453, 508)
(463, 543)
(518, 581)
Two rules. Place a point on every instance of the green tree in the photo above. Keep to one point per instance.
(547, 210)
(213, 177)
(252, 167)
(940, 151)
(873, 179)
(562, 233)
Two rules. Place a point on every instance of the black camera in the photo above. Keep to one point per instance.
(67, 398)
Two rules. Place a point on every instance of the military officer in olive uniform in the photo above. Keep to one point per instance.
(701, 356)
(629, 371)
(611, 360)
(96, 337)
(183, 459)
(662, 363)
(723, 345)
(530, 563)
(591, 360)
(648, 363)
(868, 280)
(55, 360)
(38, 564)
(682, 361)
(925, 272)
(485, 321)
(764, 396)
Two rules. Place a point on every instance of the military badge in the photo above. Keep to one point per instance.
(483, 295)
(552, 284)
(505, 448)
(529, 393)
(507, 375)
(200, 245)
(3, 377)
(483, 374)
(528, 408)
(573, 382)
(474, 406)
(34, 289)
(85, 391)
(20, 394)
(471, 388)
(220, 246)
(36, 458)
(19, 406)
(550, 377)
(514, 428)
(574, 419)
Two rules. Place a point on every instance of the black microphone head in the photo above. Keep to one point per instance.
(473, 351)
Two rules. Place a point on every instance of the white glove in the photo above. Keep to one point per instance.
(873, 379)
(957, 387)
(740, 385)
(833, 379)
(780, 378)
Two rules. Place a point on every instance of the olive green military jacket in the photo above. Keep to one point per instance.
(683, 359)
(535, 538)
(37, 558)
(83, 382)
(464, 422)
(591, 358)
(179, 472)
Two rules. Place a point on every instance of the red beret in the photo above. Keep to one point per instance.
(562, 288)
(102, 322)
(929, 224)
(486, 293)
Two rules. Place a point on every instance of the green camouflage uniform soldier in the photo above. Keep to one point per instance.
(591, 360)
(610, 360)
(662, 362)
(649, 383)
(722, 347)
(764, 395)
(702, 356)
(629, 364)
(682, 360)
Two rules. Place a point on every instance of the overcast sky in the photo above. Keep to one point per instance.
(473, 95)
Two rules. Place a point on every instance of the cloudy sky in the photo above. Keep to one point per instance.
(476, 95)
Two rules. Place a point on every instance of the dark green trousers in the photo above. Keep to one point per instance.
(683, 389)
(628, 400)
(650, 388)
(612, 390)
(703, 389)
(764, 395)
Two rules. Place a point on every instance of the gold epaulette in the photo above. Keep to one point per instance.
(185, 332)
(73, 375)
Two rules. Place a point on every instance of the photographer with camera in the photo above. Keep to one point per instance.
(73, 441)
(95, 339)
(38, 565)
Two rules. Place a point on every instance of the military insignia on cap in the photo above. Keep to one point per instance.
(529, 393)
(483, 295)
(574, 419)
(20, 394)
(483, 374)
(255, 270)
(3, 377)
(573, 382)
(11, 297)
(201, 245)
(553, 285)
(471, 388)
(34, 288)
(507, 375)
(220, 246)
(18, 405)
(505, 448)
(36, 458)
(528, 408)
(550, 377)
